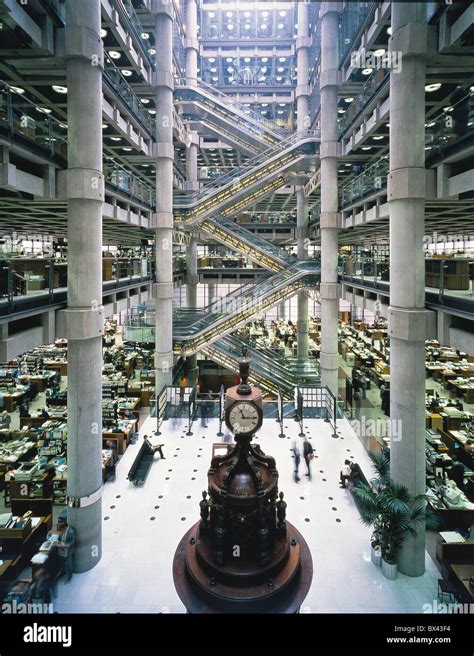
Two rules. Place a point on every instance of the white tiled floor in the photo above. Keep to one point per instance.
(135, 572)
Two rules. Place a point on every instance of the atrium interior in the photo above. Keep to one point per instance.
(236, 235)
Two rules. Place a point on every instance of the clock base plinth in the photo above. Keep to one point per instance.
(279, 587)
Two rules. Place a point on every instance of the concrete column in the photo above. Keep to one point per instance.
(407, 314)
(48, 323)
(282, 310)
(444, 324)
(329, 220)
(163, 218)
(191, 301)
(302, 123)
(84, 314)
(301, 232)
(211, 292)
(303, 43)
(192, 183)
(192, 43)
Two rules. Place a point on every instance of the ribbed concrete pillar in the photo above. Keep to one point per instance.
(191, 184)
(303, 123)
(191, 300)
(163, 219)
(329, 200)
(301, 231)
(192, 43)
(84, 314)
(211, 292)
(407, 315)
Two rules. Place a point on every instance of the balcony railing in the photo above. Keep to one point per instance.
(455, 124)
(137, 29)
(118, 84)
(351, 19)
(130, 184)
(369, 181)
(21, 116)
(373, 82)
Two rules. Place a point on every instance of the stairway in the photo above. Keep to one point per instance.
(223, 112)
(270, 370)
(193, 330)
(230, 193)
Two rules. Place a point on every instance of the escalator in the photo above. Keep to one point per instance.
(270, 370)
(230, 193)
(224, 113)
(238, 238)
(194, 330)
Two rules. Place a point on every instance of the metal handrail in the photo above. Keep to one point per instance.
(244, 169)
(119, 85)
(237, 107)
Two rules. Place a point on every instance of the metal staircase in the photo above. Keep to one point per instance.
(236, 189)
(270, 370)
(193, 330)
(222, 111)
(239, 239)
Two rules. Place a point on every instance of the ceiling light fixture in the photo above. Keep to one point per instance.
(429, 88)
(115, 54)
(59, 89)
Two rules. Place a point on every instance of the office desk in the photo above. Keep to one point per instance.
(33, 422)
(461, 574)
(56, 366)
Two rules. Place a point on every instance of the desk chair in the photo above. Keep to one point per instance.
(446, 589)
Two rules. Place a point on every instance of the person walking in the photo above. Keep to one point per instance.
(308, 454)
(66, 546)
(297, 455)
(357, 402)
(206, 408)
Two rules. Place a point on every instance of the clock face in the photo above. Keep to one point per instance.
(244, 418)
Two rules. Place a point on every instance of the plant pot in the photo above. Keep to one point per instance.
(376, 555)
(389, 570)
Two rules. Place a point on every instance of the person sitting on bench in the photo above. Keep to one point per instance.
(152, 449)
(345, 474)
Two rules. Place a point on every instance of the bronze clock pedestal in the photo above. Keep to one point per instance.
(243, 556)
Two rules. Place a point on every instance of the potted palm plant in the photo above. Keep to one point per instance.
(369, 501)
(392, 511)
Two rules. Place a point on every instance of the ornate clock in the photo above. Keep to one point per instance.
(243, 404)
(243, 555)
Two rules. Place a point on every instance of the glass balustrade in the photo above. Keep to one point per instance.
(137, 29)
(247, 114)
(237, 236)
(351, 19)
(368, 182)
(27, 120)
(128, 183)
(22, 276)
(240, 175)
(373, 82)
(452, 125)
(120, 86)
